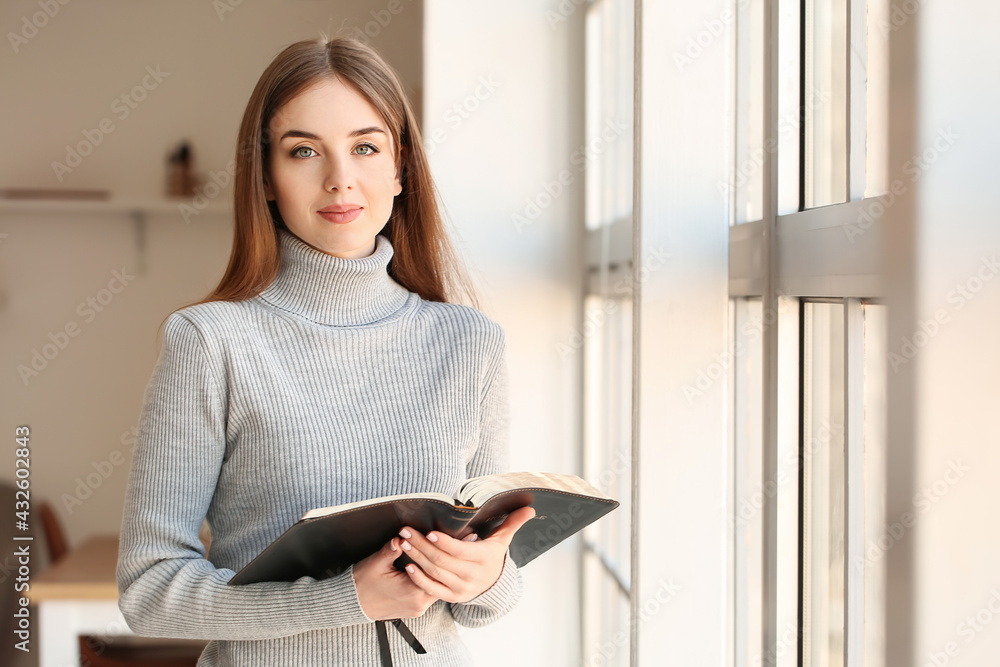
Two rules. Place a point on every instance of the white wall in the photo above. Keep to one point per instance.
(83, 405)
(944, 437)
(71, 75)
(516, 137)
(682, 571)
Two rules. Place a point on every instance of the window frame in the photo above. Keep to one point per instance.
(607, 229)
(792, 255)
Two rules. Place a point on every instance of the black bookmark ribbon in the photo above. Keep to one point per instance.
(383, 640)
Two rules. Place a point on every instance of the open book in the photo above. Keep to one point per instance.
(326, 541)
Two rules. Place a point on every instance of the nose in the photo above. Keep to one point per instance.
(339, 175)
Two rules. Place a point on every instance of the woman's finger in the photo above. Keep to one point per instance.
(436, 541)
(513, 523)
(436, 564)
(454, 547)
(387, 554)
(429, 586)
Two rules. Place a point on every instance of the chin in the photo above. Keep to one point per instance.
(345, 241)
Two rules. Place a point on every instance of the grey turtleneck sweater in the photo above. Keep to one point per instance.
(335, 384)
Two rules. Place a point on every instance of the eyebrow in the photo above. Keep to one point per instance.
(309, 135)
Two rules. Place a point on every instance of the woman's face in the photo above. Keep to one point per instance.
(331, 150)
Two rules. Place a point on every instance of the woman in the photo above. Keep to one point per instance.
(327, 367)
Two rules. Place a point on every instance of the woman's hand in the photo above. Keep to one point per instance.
(459, 570)
(386, 593)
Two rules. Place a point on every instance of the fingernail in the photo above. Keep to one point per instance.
(406, 546)
(410, 569)
(392, 545)
(474, 537)
(432, 537)
(405, 533)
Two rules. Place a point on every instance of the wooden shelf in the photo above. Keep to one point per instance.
(84, 573)
(220, 207)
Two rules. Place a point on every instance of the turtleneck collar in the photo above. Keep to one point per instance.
(333, 290)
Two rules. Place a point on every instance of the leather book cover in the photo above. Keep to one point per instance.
(324, 546)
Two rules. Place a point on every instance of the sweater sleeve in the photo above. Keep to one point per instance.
(166, 586)
(490, 458)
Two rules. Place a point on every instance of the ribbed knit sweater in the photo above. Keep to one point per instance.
(334, 384)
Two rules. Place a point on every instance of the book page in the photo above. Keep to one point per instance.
(325, 511)
(478, 490)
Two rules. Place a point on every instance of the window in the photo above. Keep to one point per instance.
(808, 332)
(824, 73)
(607, 330)
(823, 481)
(607, 452)
(746, 316)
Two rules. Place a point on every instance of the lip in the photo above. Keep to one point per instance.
(339, 208)
(340, 213)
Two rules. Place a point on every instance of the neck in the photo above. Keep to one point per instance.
(333, 290)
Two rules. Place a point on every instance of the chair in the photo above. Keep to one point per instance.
(96, 651)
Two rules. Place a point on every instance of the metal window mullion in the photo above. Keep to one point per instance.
(770, 422)
(847, 101)
(807, 466)
(857, 97)
(637, 213)
(738, 92)
(608, 566)
(854, 479)
(740, 486)
(788, 434)
(807, 134)
(791, 107)
(747, 269)
(830, 251)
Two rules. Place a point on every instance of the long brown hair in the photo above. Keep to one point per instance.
(423, 260)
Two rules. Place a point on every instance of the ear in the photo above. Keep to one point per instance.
(399, 172)
(268, 193)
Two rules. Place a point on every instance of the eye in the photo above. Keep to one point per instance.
(366, 149)
(295, 152)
